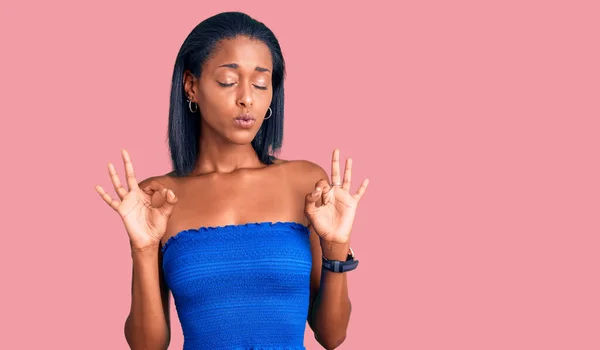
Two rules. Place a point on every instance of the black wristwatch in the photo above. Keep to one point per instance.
(341, 266)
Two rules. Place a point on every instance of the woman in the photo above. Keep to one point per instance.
(251, 246)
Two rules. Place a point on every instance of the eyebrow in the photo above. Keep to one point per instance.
(236, 66)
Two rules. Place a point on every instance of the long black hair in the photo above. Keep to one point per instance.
(184, 126)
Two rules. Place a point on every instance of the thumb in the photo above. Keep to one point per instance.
(171, 200)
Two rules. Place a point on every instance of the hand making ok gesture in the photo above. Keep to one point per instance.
(145, 224)
(331, 207)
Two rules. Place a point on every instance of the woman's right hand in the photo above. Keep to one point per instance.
(145, 224)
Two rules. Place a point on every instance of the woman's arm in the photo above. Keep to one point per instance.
(329, 208)
(330, 307)
(148, 324)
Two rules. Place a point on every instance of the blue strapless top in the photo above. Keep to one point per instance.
(241, 286)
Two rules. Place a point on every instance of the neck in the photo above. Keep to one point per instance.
(218, 155)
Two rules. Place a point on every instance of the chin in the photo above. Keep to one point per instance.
(242, 138)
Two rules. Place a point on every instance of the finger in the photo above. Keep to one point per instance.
(335, 167)
(112, 202)
(311, 200)
(326, 192)
(129, 174)
(347, 175)
(167, 208)
(121, 191)
(320, 186)
(323, 183)
(324, 187)
(361, 190)
(154, 186)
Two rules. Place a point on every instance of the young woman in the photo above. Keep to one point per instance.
(250, 246)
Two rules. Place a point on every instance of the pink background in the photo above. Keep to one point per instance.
(477, 125)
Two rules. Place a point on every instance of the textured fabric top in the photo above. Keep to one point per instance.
(241, 286)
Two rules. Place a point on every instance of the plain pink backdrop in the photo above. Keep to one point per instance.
(476, 122)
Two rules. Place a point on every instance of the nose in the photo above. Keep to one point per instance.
(245, 98)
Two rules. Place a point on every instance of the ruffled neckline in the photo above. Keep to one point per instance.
(233, 227)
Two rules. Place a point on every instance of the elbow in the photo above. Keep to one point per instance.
(137, 340)
(335, 344)
(331, 343)
(127, 331)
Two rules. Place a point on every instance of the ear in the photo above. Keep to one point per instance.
(190, 85)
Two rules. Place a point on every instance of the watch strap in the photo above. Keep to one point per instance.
(340, 266)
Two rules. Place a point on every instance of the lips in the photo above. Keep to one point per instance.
(245, 117)
(244, 121)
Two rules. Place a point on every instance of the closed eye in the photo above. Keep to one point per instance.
(232, 84)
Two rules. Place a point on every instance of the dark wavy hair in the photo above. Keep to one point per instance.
(184, 126)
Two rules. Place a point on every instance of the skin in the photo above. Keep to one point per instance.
(229, 176)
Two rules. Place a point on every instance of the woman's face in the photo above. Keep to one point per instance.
(234, 91)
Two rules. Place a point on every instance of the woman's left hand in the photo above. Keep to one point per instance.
(330, 207)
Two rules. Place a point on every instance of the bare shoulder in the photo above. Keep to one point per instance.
(307, 169)
(304, 173)
(167, 180)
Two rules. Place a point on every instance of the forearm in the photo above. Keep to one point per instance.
(331, 310)
(146, 326)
